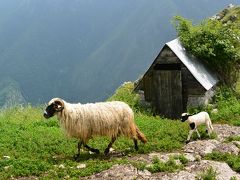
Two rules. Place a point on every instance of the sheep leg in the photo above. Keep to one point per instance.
(135, 144)
(76, 157)
(189, 136)
(209, 129)
(198, 134)
(91, 149)
(109, 146)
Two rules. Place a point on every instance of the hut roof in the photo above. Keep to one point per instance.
(198, 69)
(204, 75)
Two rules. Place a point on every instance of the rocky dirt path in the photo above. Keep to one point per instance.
(193, 151)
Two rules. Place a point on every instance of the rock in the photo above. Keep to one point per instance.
(6, 157)
(81, 166)
(201, 147)
(123, 172)
(190, 157)
(66, 177)
(163, 157)
(222, 169)
(144, 173)
(61, 166)
(214, 111)
(181, 175)
(224, 131)
(237, 143)
(6, 167)
(111, 150)
(230, 148)
(192, 172)
(230, 6)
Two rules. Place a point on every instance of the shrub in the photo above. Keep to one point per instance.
(214, 42)
(159, 166)
(228, 105)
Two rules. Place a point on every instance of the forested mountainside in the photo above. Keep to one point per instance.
(82, 50)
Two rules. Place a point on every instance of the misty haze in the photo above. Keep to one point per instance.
(82, 50)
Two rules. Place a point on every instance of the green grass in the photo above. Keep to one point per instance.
(37, 147)
(233, 138)
(228, 105)
(159, 166)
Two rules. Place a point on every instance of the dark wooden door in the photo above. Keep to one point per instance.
(168, 92)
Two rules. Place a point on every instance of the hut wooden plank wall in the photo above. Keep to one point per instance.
(176, 80)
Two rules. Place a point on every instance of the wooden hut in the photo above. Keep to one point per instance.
(176, 80)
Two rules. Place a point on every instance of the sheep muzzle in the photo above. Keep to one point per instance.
(45, 114)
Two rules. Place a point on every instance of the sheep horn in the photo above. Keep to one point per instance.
(60, 104)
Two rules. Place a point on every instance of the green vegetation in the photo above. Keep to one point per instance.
(216, 42)
(233, 138)
(33, 146)
(209, 174)
(169, 166)
(125, 93)
(232, 160)
(227, 103)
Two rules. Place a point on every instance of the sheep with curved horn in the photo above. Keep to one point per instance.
(84, 121)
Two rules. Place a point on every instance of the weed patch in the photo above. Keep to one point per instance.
(169, 166)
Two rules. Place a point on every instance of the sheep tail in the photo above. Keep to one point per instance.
(141, 136)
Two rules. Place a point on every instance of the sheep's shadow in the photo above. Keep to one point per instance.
(84, 156)
(101, 156)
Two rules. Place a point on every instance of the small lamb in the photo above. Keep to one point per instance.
(196, 120)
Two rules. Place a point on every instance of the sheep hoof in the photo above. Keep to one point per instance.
(106, 152)
(187, 141)
(97, 151)
(76, 157)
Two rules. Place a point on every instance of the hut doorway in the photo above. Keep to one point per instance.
(168, 89)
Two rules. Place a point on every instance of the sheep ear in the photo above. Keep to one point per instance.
(59, 105)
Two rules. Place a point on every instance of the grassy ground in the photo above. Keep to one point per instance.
(33, 146)
(38, 147)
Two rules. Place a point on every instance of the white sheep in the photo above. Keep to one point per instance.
(84, 121)
(195, 120)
